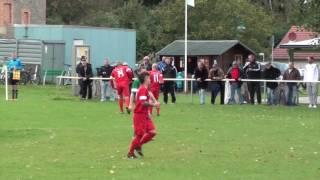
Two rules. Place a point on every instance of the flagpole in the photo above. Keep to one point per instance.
(186, 47)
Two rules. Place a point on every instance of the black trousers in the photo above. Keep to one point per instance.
(216, 88)
(168, 87)
(254, 88)
(81, 87)
(86, 89)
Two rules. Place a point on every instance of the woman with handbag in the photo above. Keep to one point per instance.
(14, 68)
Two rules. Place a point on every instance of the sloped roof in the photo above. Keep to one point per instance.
(302, 34)
(200, 47)
(310, 43)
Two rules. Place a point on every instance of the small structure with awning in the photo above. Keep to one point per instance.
(296, 46)
(307, 46)
(224, 51)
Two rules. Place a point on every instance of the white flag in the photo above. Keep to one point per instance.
(190, 2)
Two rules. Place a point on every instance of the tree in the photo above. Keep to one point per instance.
(67, 12)
(217, 19)
(159, 22)
(311, 13)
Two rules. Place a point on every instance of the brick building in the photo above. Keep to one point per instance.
(20, 12)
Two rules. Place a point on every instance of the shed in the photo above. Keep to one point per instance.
(224, 51)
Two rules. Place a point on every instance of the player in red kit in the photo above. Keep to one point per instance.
(122, 76)
(144, 129)
(156, 79)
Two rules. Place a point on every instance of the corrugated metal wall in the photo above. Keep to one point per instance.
(30, 51)
(7, 46)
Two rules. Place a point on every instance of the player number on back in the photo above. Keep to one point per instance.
(156, 78)
(120, 73)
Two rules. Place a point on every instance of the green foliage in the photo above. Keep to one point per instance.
(159, 22)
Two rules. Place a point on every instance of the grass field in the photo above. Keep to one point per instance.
(48, 134)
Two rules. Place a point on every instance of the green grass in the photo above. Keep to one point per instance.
(49, 134)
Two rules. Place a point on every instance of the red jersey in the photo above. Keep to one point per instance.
(156, 79)
(142, 96)
(122, 74)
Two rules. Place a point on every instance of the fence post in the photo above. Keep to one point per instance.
(265, 91)
(191, 90)
(44, 78)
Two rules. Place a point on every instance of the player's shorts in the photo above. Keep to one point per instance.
(155, 93)
(139, 123)
(12, 81)
(142, 124)
(123, 90)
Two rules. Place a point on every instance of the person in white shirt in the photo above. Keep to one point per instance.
(311, 75)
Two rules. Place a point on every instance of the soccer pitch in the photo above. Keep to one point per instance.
(49, 134)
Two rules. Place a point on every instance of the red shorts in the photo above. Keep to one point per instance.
(155, 93)
(142, 124)
(123, 90)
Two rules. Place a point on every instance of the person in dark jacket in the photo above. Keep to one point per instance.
(252, 70)
(106, 89)
(235, 73)
(216, 74)
(78, 67)
(86, 73)
(271, 73)
(169, 86)
(201, 74)
(291, 73)
(146, 64)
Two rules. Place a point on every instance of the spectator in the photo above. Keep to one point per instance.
(244, 87)
(217, 85)
(235, 73)
(85, 73)
(106, 89)
(271, 73)
(311, 74)
(169, 86)
(180, 82)
(201, 74)
(253, 71)
(162, 64)
(291, 88)
(14, 67)
(78, 67)
(146, 64)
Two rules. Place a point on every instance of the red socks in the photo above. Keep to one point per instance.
(146, 138)
(138, 141)
(127, 101)
(120, 101)
(135, 144)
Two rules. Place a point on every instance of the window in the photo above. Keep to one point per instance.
(25, 17)
(7, 12)
(238, 57)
